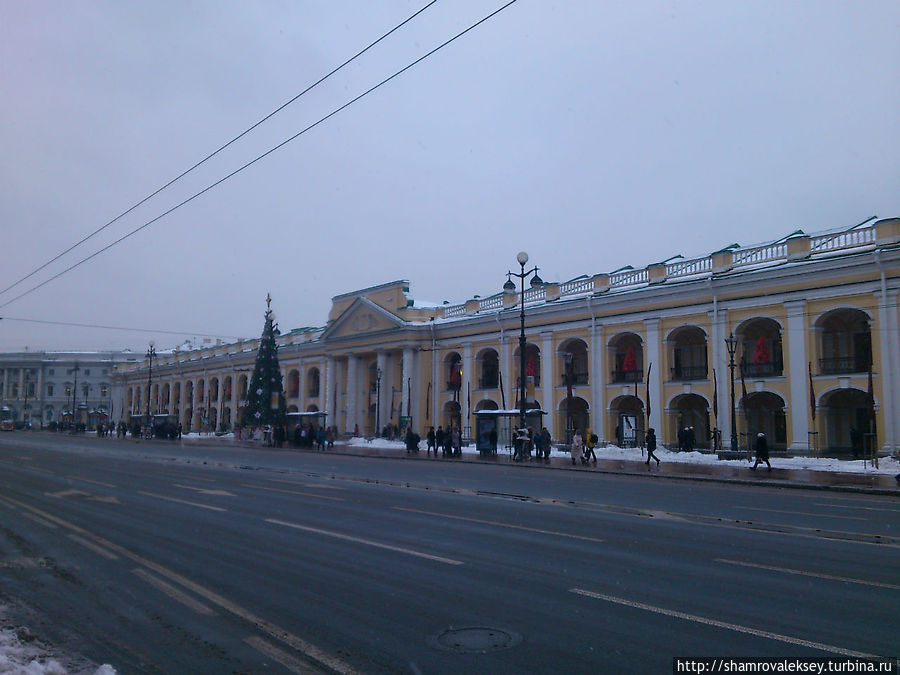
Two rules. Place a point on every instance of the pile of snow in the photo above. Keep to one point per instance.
(886, 465)
(32, 659)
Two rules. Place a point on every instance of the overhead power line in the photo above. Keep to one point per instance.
(262, 156)
(220, 149)
(124, 328)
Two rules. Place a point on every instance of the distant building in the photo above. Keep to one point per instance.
(814, 317)
(54, 387)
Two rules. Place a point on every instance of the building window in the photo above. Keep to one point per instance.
(15, 390)
(87, 371)
(103, 390)
(87, 390)
(52, 371)
(68, 390)
(49, 390)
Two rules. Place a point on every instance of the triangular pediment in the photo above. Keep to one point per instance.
(362, 317)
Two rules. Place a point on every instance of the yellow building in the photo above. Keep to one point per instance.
(814, 318)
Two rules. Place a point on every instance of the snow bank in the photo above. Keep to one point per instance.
(31, 659)
(886, 465)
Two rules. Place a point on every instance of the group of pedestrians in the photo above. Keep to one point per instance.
(449, 441)
(309, 435)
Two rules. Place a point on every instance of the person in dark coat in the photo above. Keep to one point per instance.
(650, 441)
(431, 441)
(439, 439)
(762, 451)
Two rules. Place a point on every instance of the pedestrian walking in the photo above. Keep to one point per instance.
(650, 442)
(591, 444)
(439, 440)
(456, 441)
(762, 451)
(546, 442)
(577, 446)
(430, 436)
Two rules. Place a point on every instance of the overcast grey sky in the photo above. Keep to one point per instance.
(591, 134)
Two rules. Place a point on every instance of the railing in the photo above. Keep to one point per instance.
(689, 373)
(576, 286)
(836, 242)
(575, 378)
(488, 383)
(535, 294)
(454, 310)
(629, 278)
(627, 376)
(769, 369)
(741, 257)
(843, 365)
(760, 254)
(686, 268)
(494, 302)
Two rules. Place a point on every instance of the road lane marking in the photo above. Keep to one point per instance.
(173, 592)
(333, 663)
(182, 501)
(109, 555)
(294, 492)
(800, 513)
(306, 484)
(723, 624)
(863, 508)
(205, 491)
(38, 519)
(367, 542)
(499, 524)
(268, 649)
(787, 570)
(67, 493)
(88, 480)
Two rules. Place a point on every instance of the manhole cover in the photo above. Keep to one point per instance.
(475, 639)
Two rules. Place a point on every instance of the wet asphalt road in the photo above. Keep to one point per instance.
(163, 558)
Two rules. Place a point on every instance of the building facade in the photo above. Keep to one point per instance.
(812, 319)
(43, 388)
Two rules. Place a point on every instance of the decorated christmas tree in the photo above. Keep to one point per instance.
(265, 397)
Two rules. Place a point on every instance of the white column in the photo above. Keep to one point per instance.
(352, 392)
(597, 379)
(720, 361)
(890, 369)
(508, 385)
(382, 413)
(547, 382)
(301, 386)
(435, 387)
(652, 355)
(798, 375)
(329, 389)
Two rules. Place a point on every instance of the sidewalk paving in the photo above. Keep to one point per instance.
(793, 472)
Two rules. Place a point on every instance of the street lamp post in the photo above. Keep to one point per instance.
(151, 352)
(75, 370)
(731, 344)
(509, 288)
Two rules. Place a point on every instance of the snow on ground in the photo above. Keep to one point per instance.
(32, 658)
(886, 465)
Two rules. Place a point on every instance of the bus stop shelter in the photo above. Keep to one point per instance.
(504, 423)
